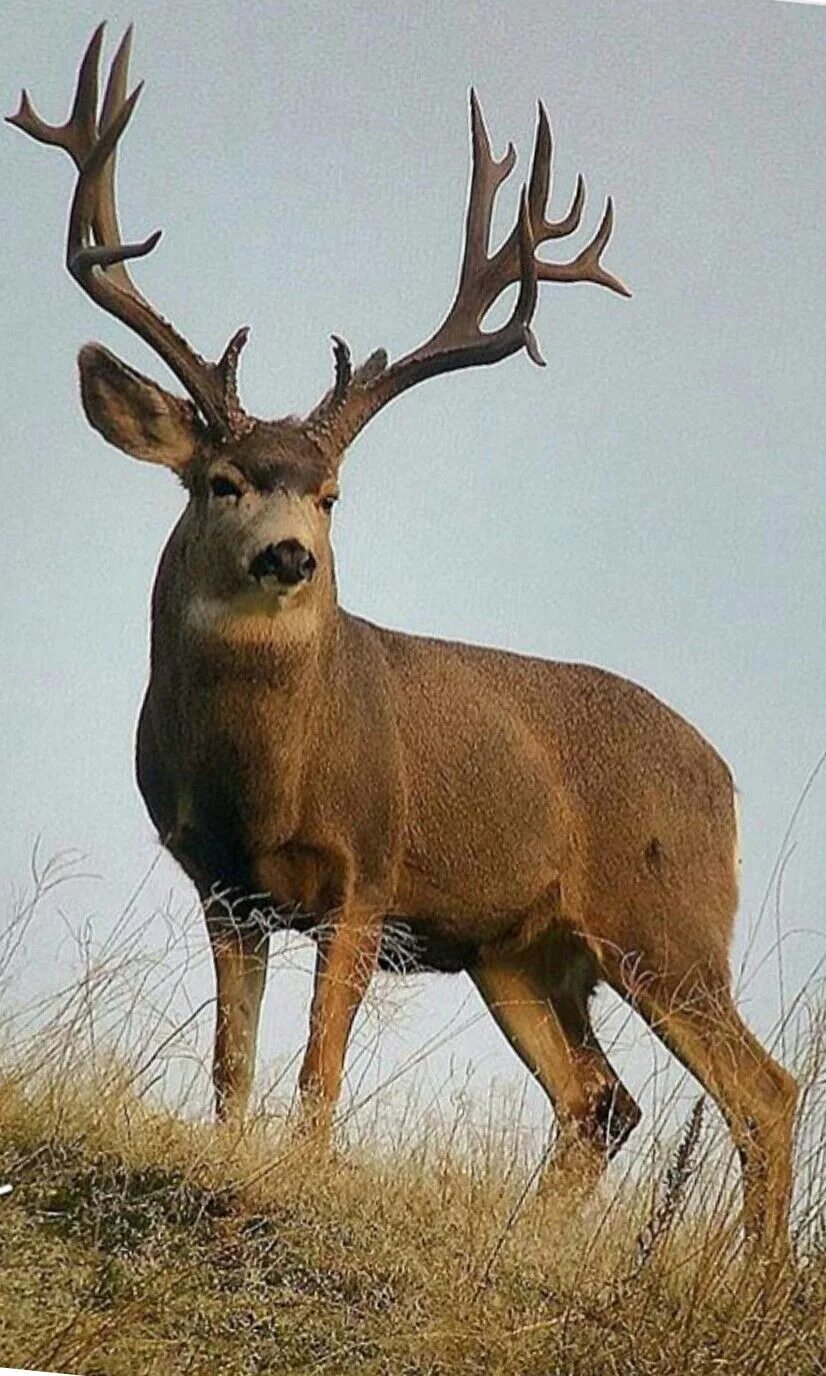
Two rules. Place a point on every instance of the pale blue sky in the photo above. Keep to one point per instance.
(653, 501)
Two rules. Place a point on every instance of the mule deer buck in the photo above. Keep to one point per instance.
(541, 826)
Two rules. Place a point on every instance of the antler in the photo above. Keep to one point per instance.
(460, 341)
(95, 252)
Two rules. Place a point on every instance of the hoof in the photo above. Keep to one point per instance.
(612, 1119)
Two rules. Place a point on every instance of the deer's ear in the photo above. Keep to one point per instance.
(134, 413)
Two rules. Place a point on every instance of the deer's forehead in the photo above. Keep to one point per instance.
(272, 457)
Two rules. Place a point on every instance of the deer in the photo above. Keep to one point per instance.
(410, 803)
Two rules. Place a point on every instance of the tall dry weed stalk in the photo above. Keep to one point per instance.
(680, 1170)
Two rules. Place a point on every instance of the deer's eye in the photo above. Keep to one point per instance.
(327, 503)
(223, 487)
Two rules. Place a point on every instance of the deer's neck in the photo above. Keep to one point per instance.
(235, 698)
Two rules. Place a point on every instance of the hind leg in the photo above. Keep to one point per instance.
(539, 999)
(696, 1019)
(604, 1114)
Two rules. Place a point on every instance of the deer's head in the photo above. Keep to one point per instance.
(261, 491)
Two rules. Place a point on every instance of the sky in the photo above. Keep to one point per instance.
(652, 501)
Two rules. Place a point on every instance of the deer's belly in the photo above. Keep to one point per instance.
(410, 947)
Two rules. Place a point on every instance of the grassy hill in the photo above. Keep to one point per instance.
(136, 1243)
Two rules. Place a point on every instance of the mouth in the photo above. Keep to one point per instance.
(270, 594)
(272, 585)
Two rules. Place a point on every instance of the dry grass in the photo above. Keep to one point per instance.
(137, 1242)
(134, 1242)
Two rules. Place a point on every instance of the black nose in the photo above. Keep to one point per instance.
(288, 561)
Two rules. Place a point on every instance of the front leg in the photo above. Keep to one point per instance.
(345, 962)
(240, 958)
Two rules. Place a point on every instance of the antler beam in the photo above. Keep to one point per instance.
(95, 252)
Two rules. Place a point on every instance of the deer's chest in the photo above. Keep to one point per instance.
(250, 800)
(220, 785)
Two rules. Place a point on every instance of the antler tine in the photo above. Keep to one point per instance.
(586, 267)
(321, 424)
(82, 120)
(227, 370)
(118, 80)
(79, 132)
(487, 175)
(477, 290)
(344, 367)
(539, 187)
(106, 228)
(95, 252)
